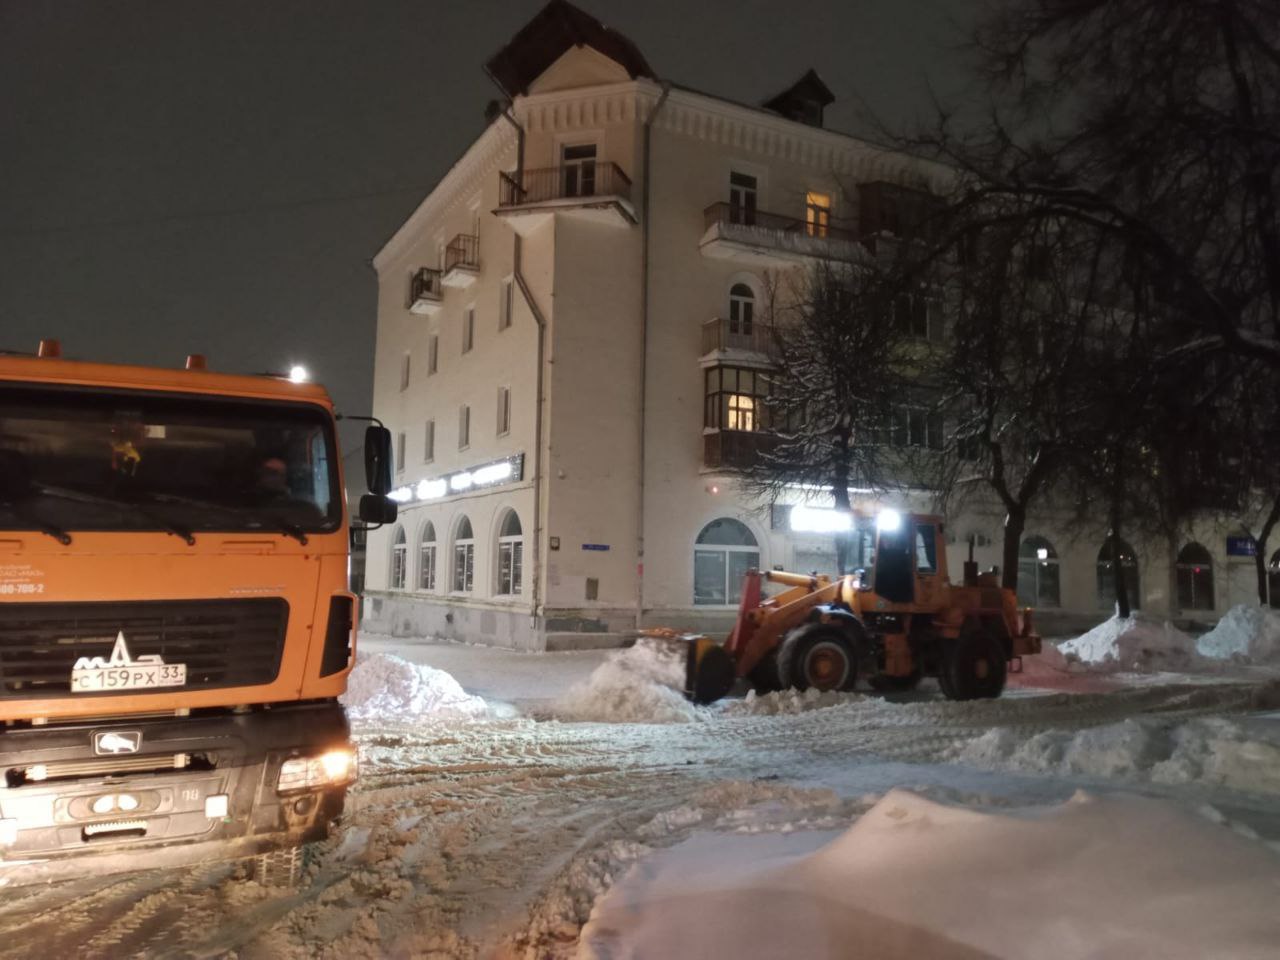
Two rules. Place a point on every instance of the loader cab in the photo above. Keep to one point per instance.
(911, 558)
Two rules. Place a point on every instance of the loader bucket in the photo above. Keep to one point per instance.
(709, 673)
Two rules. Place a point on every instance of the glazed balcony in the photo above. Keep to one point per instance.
(597, 191)
(425, 292)
(773, 240)
(461, 261)
(735, 449)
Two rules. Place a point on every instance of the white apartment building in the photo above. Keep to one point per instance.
(570, 337)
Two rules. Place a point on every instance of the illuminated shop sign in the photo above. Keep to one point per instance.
(492, 474)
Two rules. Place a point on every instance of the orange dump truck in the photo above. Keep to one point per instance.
(175, 620)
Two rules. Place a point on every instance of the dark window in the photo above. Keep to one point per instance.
(1106, 581)
(726, 549)
(742, 199)
(1195, 578)
(741, 308)
(917, 427)
(578, 164)
(1038, 574)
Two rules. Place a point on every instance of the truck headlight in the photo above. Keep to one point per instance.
(330, 769)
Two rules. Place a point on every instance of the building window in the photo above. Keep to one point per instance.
(429, 442)
(1195, 578)
(404, 372)
(464, 557)
(427, 557)
(916, 315)
(742, 198)
(724, 552)
(510, 556)
(464, 427)
(578, 170)
(399, 560)
(917, 427)
(817, 214)
(735, 399)
(742, 304)
(504, 411)
(1106, 580)
(400, 452)
(1038, 580)
(469, 330)
(433, 354)
(505, 303)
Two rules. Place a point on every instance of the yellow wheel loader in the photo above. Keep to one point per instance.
(902, 621)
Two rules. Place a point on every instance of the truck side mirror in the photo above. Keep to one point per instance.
(377, 461)
(378, 509)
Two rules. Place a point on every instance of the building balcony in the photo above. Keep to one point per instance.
(599, 192)
(772, 240)
(735, 449)
(461, 261)
(425, 292)
(724, 340)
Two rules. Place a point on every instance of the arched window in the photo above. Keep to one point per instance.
(1106, 582)
(464, 557)
(742, 307)
(1195, 578)
(1038, 580)
(510, 556)
(427, 557)
(725, 551)
(399, 560)
(1273, 580)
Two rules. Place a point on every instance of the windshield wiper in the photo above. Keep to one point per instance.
(288, 528)
(50, 529)
(167, 526)
(284, 526)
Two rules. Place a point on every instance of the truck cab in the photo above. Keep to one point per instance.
(175, 620)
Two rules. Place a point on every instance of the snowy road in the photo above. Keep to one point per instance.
(494, 837)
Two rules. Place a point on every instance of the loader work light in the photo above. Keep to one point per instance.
(888, 520)
(819, 520)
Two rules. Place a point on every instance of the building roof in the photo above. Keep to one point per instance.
(557, 27)
(808, 90)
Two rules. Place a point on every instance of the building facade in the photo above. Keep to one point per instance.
(571, 337)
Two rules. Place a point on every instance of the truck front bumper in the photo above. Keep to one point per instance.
(192, 789)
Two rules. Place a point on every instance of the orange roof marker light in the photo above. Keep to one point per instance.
(49, 348)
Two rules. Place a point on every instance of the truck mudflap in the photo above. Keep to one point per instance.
(119, 795)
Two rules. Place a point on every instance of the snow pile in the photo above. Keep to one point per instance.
(389, 688)
(1094, 877)
(1207, 751)
(1247, 632)
(641, 684)
(1132, 643)
(788, 702)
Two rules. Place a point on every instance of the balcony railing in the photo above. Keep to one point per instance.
(424, 290)
(736, 216)
(735, 449)
(462, 251)
(723, 334)
(587, 181)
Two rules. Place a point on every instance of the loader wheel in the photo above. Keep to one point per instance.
(817, 657)
(764, 675)
(974, 667)
(280, 868)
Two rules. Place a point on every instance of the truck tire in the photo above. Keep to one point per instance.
(817, 656)
(279, 868)
(974, 667)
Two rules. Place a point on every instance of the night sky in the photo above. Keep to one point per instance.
(214, 177)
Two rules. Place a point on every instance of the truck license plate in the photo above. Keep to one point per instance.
(136, 677)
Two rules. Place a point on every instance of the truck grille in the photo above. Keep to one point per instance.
(223, 643)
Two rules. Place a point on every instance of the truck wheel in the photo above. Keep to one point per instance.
(764, 675)
(818, 657)
(975, 667)
(279, 868)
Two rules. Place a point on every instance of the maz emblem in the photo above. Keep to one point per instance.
(117, 742)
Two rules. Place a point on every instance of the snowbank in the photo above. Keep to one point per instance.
(1132, 643)
(1247, 632)
(386, 687)
(641, 684)
(1114, 877)
(789, 702)
(1209, 751)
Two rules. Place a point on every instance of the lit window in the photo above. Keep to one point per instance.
(817, 214)
(742, 412)
(735, 399)
(510, 556)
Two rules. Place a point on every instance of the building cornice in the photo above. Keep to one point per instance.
(481, 159)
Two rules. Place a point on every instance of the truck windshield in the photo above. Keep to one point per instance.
(91, 459)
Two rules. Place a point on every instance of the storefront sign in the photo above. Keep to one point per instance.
(492, 474)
